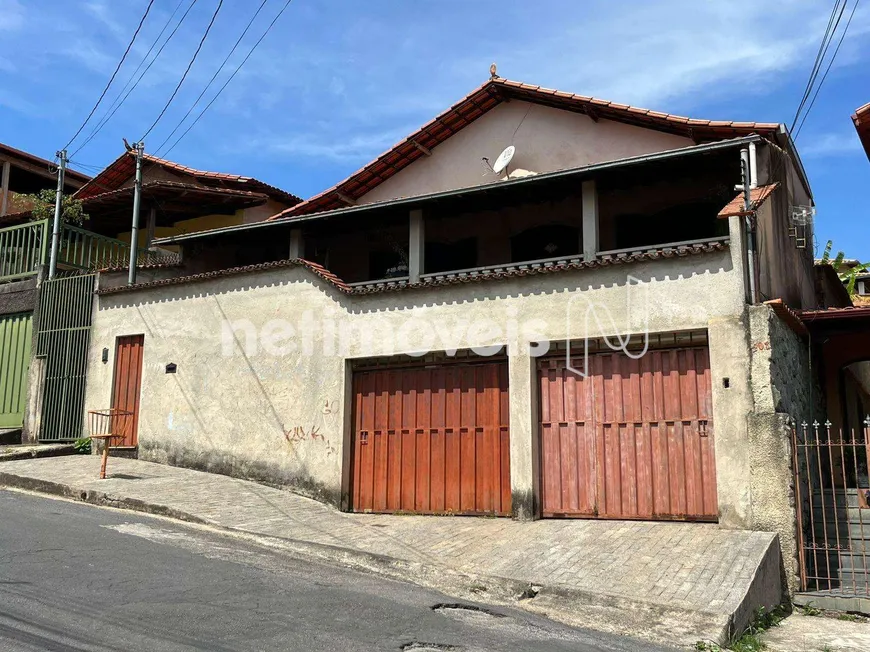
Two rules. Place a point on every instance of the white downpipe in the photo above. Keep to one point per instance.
(753, 166)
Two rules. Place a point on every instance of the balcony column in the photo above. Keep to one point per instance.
(4, 188)
(416, 246)
(297, 246)
(590, 220)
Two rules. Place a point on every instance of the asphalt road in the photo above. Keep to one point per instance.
(75, 577)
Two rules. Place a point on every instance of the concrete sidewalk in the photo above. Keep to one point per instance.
(670, 582)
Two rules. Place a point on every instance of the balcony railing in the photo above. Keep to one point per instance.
(25, 248)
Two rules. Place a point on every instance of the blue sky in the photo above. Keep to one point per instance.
(339, 81)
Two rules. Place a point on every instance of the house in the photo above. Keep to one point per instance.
(176, 199)
(604, 328)
(861, 118)
(51, 339)
(20, 174)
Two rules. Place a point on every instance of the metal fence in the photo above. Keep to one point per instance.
(25, 248)
(64, 332)
(832, 493)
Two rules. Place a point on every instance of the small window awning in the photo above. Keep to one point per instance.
(757, 196)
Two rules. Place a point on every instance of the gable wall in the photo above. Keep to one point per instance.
(548, 140)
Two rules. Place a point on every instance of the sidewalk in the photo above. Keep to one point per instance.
(671, 582)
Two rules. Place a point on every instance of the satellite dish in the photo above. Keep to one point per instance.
(503, 159)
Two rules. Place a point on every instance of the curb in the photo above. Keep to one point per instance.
(54, 451)
(575, 607)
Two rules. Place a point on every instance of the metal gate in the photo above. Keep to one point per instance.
(832, 491)
(631, 440)
(16, 333)
(64, 330)
(432, 440)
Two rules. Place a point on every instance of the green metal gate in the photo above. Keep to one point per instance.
(64, 330)
(16, 332)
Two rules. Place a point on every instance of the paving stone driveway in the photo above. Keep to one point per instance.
(684, 565)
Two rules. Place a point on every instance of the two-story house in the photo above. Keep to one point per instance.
(578, 331)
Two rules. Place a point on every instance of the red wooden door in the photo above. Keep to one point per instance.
(632, 440)
(432, 440)
(126, 387)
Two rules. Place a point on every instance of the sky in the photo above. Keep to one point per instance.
(337, 82)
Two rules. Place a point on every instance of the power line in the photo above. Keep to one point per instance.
(816, 64)
(187, 70)
(112, 78)
(827, 37)
(828, 69)
(144, 72)
(230, 78)
(211, 81)
(115, 105)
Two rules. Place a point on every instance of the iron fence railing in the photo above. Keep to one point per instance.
(25, 248)
(832, 496)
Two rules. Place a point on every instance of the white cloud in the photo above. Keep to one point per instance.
(330, 146)
(11, 15)
(831, 144)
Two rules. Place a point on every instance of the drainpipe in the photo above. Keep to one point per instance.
(748, 217)
(137, 199)
(753, 166)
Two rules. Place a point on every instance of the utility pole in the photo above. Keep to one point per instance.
(749, 220)
(139, 149)
(58, 210)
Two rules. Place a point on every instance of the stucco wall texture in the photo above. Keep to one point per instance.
(236, 393)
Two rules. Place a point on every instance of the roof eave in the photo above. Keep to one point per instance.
(510, 183)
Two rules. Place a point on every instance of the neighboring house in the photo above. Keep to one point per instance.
(861, 118)
(20, 174)
(175, 200)
(412, 339)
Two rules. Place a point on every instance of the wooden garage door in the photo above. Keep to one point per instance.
(633, 440)
(432, 440)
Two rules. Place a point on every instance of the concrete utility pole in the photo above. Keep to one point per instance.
(139, 148)
(58, 210)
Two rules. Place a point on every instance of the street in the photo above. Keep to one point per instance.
(75, 577)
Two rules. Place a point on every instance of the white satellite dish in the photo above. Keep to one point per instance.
(503, 159)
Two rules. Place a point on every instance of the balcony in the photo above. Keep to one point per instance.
(25, 248)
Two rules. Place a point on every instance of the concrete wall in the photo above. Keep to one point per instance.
(546, 140)
(786, 271)
(232, 399)
(16, 297)
(784, 392)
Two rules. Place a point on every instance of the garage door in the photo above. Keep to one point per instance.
(632, 440)
(432, 440)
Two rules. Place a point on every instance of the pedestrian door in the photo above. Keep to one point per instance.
(127, 385)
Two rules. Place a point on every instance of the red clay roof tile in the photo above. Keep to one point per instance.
(757, 197)
(486, 97)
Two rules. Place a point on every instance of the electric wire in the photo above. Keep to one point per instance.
(115, 105)
(230, 78)
(211, 81)
(827, 38)
(112, 78)
(827, 70)
(187, 70)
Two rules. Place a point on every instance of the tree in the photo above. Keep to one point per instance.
(847, 272)
(42, 207)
